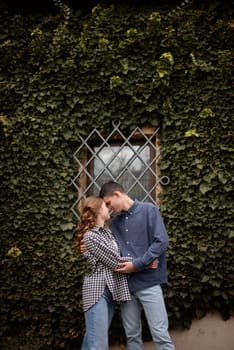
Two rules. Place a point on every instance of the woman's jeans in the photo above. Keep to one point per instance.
(97, 320)
(152, 301)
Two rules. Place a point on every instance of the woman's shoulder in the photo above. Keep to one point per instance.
(91, 233)
(96, 233)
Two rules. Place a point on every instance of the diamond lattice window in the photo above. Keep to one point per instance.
(130, 160)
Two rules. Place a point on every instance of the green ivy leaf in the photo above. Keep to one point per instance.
(205, 187)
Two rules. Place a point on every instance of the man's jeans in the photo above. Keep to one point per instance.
(98, 319)
(155, 311)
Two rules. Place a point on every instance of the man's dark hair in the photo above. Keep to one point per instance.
(109, 188)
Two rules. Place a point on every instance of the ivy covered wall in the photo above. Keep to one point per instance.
(67, 72)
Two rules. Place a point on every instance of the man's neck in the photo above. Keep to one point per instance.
(128, 202)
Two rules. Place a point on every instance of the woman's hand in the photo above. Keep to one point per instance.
(125, 267)
(154, 264)
(128, 267)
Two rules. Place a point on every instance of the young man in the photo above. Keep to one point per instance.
(141, 234)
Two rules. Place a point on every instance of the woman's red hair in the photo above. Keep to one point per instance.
(88, 217)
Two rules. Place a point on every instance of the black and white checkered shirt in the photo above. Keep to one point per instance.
(103, 256)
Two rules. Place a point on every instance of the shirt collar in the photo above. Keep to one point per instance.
(131, 210)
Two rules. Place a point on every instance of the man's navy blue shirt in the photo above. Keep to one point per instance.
(142, 235)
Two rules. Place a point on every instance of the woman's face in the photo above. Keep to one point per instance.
(104, 212)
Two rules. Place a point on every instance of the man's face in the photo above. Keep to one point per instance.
(114, 202)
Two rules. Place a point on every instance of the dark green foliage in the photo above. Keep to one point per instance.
(69, 72)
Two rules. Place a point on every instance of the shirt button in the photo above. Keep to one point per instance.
(126, 230)
(127, 242)
(126, 217)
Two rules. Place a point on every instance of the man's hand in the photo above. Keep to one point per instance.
(125, 267)
(82, 247)
(128, 267)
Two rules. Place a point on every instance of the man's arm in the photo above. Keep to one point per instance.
(160, 240)
(126, 266)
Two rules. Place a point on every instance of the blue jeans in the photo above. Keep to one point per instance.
(97, 320)
(152, 301)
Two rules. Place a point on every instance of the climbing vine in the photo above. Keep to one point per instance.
(63, 74)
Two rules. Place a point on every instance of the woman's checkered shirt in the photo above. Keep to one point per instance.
(103, 255)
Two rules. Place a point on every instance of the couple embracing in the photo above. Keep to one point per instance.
(128, 266)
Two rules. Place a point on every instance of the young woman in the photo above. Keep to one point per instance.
(102, 287)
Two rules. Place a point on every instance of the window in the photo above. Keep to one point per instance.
(125, 164)
(130, 160)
